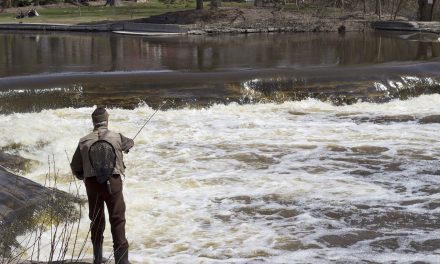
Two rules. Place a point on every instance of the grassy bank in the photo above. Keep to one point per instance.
(69, 14)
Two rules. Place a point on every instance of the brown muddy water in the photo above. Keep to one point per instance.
(273, 148)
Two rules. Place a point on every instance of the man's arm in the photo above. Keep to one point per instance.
(127, 143)
(76, 164)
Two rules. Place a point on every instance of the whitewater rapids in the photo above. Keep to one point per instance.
(297, 182)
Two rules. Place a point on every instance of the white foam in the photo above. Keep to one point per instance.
(189, 164)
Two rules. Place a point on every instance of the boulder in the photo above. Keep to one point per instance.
(23, 203)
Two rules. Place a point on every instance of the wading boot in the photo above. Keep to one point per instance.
(97, 253)
(121, 256)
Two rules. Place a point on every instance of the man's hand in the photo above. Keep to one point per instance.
(127, 143)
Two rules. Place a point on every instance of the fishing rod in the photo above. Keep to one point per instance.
(157, 110)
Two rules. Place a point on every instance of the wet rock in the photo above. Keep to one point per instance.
(427, 245)
(252, 30)
(361, 172)
(262, 211)
(371, 150)
(277, 199)
(433, 119)
(315, 169)
(422, 157)
(433, 205)
(26, 200)
(435, 172)
(297, 113)
(196, 32)
(347, 240)
(294, 245)
(430, 189)
(394, 218)
(16, 163)
(393, 167)
(337, 215)
(254, 160)
(287, 213)
(412, 202)
(400, 189)
(362, 206)
(369, 163)
(224, 218)
(382, 245)
(242, 199)
(336, 148)
(385, 119)
(341, 29)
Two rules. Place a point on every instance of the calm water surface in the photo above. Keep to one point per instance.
(273, 148)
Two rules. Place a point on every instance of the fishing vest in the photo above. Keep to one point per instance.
(102, 133)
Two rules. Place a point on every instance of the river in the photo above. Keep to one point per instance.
(272, 148)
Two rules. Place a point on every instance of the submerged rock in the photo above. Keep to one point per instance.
(432, 119)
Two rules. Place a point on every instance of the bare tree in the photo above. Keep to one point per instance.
(199, 4)
(428, 9)
(379, 8)
(435, 10)
(398, 7)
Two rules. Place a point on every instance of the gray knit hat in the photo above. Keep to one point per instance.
(100, 115)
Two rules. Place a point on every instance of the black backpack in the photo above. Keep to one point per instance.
(102, 157)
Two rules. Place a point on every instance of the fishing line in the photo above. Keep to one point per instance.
(149, 119)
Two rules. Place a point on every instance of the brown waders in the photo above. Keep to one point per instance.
(98, 194)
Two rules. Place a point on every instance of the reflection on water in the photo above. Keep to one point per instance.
(60, 70)
(30, 53)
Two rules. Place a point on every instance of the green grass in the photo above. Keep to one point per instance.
(84, 14)
(100, 14)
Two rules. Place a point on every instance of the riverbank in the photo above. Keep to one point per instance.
(198, 22)
(257, 20)
(231, 18)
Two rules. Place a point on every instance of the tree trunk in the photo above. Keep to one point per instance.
(216, 4)
(113, 3)
(258, 3)
(435, 10)
(199, 4)
(36, 2)
(399, 5)
(379, 8)
(426, 10)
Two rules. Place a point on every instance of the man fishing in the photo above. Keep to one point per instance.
(98, 160)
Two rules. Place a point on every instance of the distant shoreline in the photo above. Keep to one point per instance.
(230, 20)
(167, 29)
